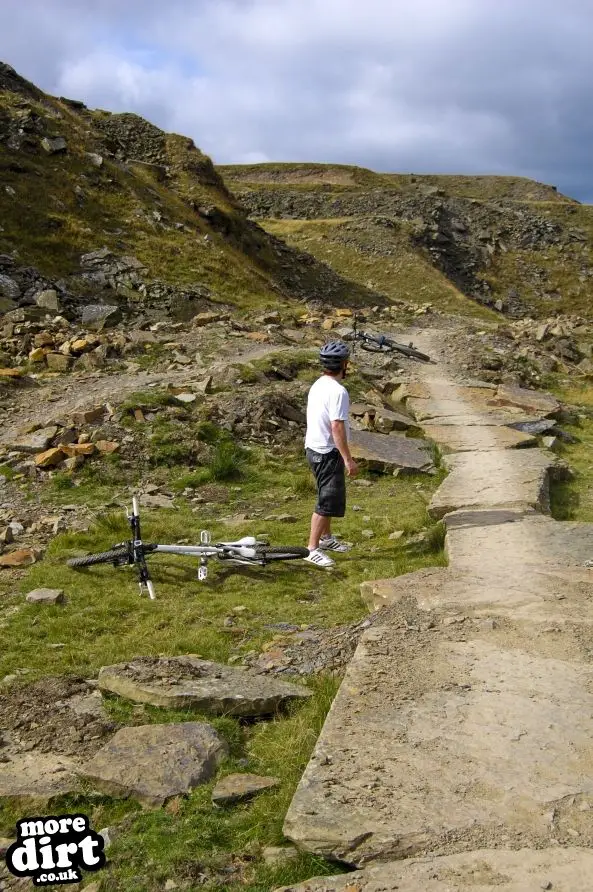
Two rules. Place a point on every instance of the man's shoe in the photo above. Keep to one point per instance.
(320, 559)
(330, 543)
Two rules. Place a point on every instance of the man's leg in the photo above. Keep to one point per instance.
(320, 527)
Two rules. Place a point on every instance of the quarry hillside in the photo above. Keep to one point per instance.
(506, 243)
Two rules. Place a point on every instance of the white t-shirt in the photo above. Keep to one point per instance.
(328, 401)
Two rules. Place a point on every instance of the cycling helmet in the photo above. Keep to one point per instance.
(333, 354)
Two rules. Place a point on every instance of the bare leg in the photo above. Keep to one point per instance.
(320, 526)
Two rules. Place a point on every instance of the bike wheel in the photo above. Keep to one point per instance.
(114, 556)
(374, 348)
(409, 351)
(280, 552)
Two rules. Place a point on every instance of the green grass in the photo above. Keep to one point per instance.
(104, 621)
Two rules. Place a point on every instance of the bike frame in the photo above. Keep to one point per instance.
(243, 551)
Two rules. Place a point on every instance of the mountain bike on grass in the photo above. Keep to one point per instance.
(383, 344)
(247, 550)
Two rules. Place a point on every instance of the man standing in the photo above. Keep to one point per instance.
(327, 450)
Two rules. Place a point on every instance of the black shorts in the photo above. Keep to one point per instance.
(330, 477)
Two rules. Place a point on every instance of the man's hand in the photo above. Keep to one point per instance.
(351, 468)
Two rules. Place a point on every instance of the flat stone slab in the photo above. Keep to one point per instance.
(388, 452)
(483, 870)
(528, 400)
(35, 778)
(238, 787)
(189, 682)
(496, 478)
(526, 541)
(38, 441)
(462, 438)
(476, 410)
(444, 741)
(152, 763)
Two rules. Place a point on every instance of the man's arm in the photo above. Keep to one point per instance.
(341, 441)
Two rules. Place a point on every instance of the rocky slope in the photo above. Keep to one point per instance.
(107, 208)
(511, 244)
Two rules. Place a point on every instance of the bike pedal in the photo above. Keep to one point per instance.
(202, 573)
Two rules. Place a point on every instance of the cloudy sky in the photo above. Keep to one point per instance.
(449, 86)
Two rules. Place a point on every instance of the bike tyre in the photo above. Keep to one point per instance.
(409, 351)
(375, 348)
(115, 555)
(281, 552)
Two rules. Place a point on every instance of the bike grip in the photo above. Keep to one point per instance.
(134, 505)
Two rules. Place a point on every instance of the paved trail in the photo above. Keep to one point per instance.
(458, 754)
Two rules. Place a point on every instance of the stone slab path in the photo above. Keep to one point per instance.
(463, 729)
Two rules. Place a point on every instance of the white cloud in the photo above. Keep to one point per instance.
(434, 85)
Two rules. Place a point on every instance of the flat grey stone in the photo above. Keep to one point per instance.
(528, 400)
(471, 739)
(99, 315)
(384, 452)
(35, 778)
(46, 596)
(38, 441)
(48, 300)
(461, 438)
(483, 870)
(495, 478)
(189, 682)
(53, 146)
(237, 787)
(152, 763)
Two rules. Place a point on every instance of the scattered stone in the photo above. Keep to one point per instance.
(51, 458)
(185, 398)
(46, 596)
(58, 362)
(107, 447)
(53, 146)
(89, 416)
(397, 534)
(281, 518)
(95, 159)
(11, 373)
(73, 449)
(97, 316)
(9, 289)
(153, 763)
(237, 787)
(21, 558)
(6, 536)
(529, 400)
(48, 300)
(37, 355)
(189, 682)
(38, 441)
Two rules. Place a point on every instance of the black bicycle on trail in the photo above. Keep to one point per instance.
(383, 344)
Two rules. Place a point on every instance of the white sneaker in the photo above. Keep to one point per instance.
(320, 559)
(330, 543)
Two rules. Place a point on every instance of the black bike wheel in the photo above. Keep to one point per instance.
(115, 556)
(375, 348)
(410, 351)
(281, 552)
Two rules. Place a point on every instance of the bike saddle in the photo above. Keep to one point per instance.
(246, 540)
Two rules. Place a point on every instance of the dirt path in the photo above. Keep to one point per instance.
(72, 393)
